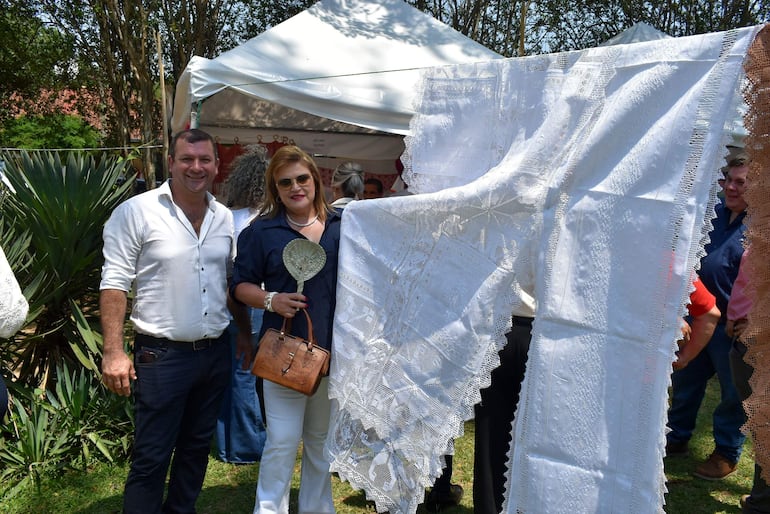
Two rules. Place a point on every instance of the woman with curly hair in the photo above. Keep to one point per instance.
(240, 427)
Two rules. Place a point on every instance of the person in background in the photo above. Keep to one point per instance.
(758, 502)
(495, 413)
(400, 188)
(698, 329)
(718, 271)
(373, 188)
(13, 313)
(240, 432)
(295, 207)
(174, 245)
(347, 184)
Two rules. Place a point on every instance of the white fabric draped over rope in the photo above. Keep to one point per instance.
(586, 179)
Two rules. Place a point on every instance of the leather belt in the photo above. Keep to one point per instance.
(162, 342)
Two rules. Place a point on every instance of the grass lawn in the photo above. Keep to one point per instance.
(230, 488)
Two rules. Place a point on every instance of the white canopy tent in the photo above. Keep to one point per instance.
(636, 33)
(337, 79)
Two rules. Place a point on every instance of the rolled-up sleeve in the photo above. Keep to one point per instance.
(122, 245)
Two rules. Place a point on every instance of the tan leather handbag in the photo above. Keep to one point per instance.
(291, 361)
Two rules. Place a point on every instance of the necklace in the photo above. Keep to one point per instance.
(302, 225)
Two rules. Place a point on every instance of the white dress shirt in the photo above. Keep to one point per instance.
(180, 278)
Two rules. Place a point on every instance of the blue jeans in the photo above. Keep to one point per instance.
(177, 397)
(240, 428)
(688, 389)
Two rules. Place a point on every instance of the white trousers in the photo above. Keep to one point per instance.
(291, 417)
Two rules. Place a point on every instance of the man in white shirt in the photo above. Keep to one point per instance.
(175, 245)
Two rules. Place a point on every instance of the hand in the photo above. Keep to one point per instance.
(738, 327)
(680, 362)
(244, 349)
(287, 304)
(683, 356)
(686, 333)
(118, 372)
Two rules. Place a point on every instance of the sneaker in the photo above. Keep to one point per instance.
(716, 467)
(677, 449)
(435, 501)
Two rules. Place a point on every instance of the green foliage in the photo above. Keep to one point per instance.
(60, 206)
(35, 446)
(73, 426)
(33, 56)
(49, 131)
(97, 421)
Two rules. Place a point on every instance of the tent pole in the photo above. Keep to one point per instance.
(163, 107)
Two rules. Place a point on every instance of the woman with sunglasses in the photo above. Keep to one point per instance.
(294, 207)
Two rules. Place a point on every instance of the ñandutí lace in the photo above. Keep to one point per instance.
(586, 179)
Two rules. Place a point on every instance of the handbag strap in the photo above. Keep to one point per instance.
(286, 329)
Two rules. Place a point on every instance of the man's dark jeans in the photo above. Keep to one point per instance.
(177, 398)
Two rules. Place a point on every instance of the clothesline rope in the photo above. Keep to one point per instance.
(86, 149)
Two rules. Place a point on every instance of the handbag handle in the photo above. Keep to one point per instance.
(286, 329)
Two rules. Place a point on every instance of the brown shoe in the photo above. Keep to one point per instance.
(716, 467)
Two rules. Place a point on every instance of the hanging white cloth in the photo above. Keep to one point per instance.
(594, 183)
(13, 304)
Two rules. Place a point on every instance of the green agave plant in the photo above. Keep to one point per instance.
(73, 426)
(51, 230)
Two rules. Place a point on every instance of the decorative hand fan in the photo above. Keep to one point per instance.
(304, 259)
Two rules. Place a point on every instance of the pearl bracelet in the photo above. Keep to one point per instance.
(269, 301)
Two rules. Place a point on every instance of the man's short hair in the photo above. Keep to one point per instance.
(191, 136)
(377, 183)
(736, 158)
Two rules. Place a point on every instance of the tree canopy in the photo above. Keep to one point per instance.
(33, 56)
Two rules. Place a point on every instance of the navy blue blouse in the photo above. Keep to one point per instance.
(260, 260)
(719, 268)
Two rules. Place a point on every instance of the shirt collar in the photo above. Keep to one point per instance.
(165, 190)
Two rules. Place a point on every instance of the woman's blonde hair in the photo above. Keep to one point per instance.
(285, 156)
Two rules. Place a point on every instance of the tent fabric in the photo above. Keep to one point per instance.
(342, 71)
(636, 33)
(594, 197)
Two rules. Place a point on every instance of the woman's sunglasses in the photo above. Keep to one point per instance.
(285, 183)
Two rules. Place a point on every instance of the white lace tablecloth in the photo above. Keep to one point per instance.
(584, 178)
(13, 305)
